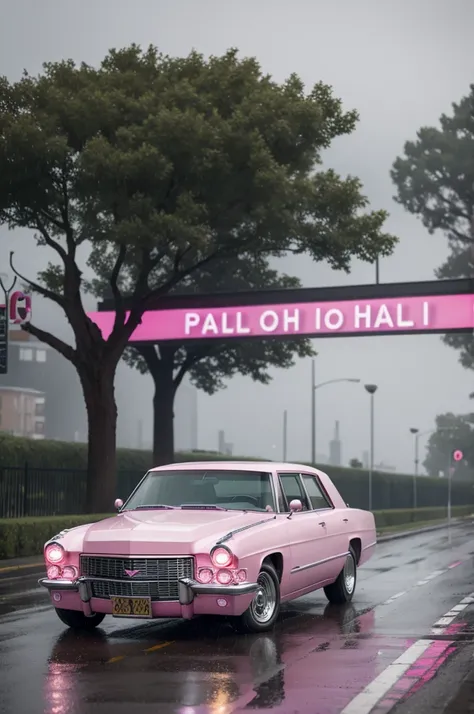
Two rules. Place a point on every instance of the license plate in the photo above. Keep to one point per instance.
(131, 607)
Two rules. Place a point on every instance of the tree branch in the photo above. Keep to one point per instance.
(191, 360)
(49, 241)
(119, 311)
(66, 350)
(54, 297)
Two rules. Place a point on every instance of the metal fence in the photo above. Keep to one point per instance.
(27, 491)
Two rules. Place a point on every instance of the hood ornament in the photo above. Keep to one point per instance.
(131, 573)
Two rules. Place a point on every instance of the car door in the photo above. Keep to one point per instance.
(335, 528)
(307, 534)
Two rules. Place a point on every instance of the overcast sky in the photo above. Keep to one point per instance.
(400, 64)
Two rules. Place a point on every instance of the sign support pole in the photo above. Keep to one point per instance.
(5, 326)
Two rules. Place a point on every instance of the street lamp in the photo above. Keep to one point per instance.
(314, 387)
(371, 389)
(416, 434)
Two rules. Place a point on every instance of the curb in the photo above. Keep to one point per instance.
(22, 570)
(426, 529)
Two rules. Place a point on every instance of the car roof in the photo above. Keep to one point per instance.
(232, 465)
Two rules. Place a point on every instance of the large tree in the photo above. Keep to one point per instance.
(452, 433)
(212, 362)
(167, 164)
(435, 182)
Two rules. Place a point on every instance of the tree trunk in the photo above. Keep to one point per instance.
(163, 413)
(99, 395)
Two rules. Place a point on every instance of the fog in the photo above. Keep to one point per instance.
(400, 65)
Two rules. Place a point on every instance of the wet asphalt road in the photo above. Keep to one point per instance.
(316, 660)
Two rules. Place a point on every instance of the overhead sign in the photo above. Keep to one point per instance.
(345, 317)
(458, 455)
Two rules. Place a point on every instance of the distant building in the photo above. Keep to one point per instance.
(335, 448)
(223, 447)
(22, 412)
(33, 365)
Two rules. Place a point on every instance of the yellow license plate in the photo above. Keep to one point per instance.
(131, 607)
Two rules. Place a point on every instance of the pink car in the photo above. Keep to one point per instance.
(234, 539)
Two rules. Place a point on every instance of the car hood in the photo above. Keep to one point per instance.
(165, 532)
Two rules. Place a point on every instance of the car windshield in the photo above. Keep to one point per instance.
(239, 490)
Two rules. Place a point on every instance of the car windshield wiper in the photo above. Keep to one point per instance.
(153, 506)
(203, 506)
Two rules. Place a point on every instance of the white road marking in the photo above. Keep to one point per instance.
(394, 597)
(366, 700)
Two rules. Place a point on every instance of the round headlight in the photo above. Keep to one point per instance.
(53, 572)
(224, 577)
(54, 553)
(205, 575)
(221, 556)
(69, 572)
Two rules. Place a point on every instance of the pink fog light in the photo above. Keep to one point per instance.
(205, 575)
(53, 572)
(222, 602)
(221, 557)
(69, 572)
(54, 553)
(224, 577)
(240, 575)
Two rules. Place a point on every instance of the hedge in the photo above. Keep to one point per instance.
(389, 490)
(23, 537)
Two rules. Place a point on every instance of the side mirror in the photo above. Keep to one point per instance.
(118, 504)
(296, 505)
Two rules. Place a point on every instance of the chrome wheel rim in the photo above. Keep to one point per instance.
(264, 603)
(349, 574)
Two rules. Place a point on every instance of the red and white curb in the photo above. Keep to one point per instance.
(414, 667)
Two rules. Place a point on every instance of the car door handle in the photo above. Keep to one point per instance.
(323, 524)
(346, 520)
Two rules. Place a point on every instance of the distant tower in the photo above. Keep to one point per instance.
(335, 448)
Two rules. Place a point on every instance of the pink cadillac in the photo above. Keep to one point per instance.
(234, 539)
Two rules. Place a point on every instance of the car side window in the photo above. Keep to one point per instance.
(316, 495)
(293, 488)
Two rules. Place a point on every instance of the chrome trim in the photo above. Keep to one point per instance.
(229, 535)
(189, 588)
(300, 568)
(59, 584)
(371, 545)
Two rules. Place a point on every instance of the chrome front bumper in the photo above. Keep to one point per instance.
(188, 588)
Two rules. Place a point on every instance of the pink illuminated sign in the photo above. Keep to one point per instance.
(426, 314)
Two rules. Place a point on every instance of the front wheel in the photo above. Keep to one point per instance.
(265, 607)
(78, 621)
(343, 589)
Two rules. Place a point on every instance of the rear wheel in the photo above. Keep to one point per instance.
(78, 621)
(264, 609)
(343, 589)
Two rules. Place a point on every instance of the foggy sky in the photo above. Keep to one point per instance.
(400, 65)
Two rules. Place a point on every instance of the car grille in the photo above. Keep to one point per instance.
(156, 578)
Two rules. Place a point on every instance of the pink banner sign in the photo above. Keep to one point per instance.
(413, 314)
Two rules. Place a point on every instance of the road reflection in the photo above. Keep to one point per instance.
(205, 669)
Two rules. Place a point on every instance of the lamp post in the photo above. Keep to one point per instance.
(416, 434)
(371, 389)
(285, 433)
(314, 387)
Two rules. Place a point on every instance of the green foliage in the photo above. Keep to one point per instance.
(22, 537)
(452, 432)
(435, 182)
(213, 362)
